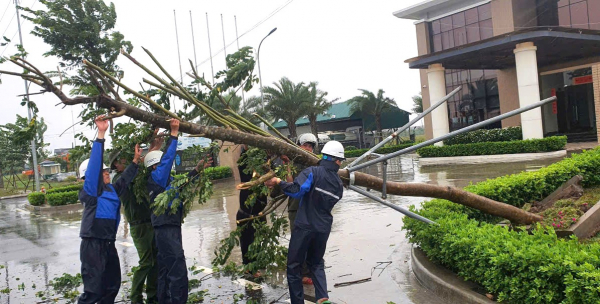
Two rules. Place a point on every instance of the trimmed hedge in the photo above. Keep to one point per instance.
(514, 265)
(69, 188)
(218, 172)
(547, 144)
(382, 150)
(484, 135)
(36, 198)
(62, 198)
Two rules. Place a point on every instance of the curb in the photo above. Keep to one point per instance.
(444, 283)
(489, 159)
(52, 209)
(14, 196)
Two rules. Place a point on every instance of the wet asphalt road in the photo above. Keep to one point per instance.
(36, 248)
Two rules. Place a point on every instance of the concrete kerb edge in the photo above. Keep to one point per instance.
(487, 159)
(14, 196)
(51, 209)
(444, 283)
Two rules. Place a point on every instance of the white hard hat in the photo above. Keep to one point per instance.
(152, 158)
(334, 148)
(307, 138)
(84, 166)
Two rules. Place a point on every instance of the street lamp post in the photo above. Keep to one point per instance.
(262, 99)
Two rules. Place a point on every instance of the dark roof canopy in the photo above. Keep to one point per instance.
(554, 45)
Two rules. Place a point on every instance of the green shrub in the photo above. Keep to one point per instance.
(36, 198)
(350, 148)
(71, 179)
(484, 135)
(69, 188)
(382, 150)
(547, 144)
(516, 266)
(62, 198)
(218, 172)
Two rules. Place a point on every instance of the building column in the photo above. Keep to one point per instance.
(596, 77)
(437, 90)
(529, 89)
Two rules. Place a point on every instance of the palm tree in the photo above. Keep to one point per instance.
(371, 104)
(285, 100)
(417, 104)
(316, 106)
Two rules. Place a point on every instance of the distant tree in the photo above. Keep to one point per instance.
(285, 100)
(15, 140)
(370, 104)
(316, 105)
(417, 104)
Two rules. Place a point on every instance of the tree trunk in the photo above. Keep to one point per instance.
(314, 130)
(379, 128)
(1, 179)
(270, 143)
(292, 129)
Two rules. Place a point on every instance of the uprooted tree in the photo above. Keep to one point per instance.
(229, 125)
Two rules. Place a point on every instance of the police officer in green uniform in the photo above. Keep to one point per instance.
(138, 216)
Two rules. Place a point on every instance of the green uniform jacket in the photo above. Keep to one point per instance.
(135, 212)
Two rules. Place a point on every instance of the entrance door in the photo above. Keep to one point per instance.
(575, 109)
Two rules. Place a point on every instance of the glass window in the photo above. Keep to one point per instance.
(579, 15)
(478, 100)
(471, 16)
(564, 16)
(446, 24)
(435, 27)
(473, 33)
(445, 41)
(461, 28)
(594, 14)
(584, 14)
(476, 74)
(460, 36)
(458, 20)
(486, 29)
(485, 11)
(437, 43)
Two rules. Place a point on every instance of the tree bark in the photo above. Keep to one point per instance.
(379, 128)
(314, 129)
(1, 179)
(292, 129)
(298, 155)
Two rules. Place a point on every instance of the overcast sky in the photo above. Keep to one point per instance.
(344, 45)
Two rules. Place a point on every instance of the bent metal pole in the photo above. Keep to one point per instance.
(406, 126)
(452, 134)
(386, 203)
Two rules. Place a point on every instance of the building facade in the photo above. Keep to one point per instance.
(505, 54)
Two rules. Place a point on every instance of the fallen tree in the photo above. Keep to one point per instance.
(234, 128)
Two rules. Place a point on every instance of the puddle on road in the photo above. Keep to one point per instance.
(36, 248)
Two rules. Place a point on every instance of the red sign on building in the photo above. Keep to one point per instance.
(583, 79)
(554, 104)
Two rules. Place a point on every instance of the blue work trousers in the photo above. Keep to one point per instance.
(306, 246)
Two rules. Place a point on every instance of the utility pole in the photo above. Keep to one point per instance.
(36, 172)
(178, 56)
(237, 40)
(194, 45)
(210, 51)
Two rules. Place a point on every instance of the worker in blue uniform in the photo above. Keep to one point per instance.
(172, 270)
(319, 188)
(100, 267)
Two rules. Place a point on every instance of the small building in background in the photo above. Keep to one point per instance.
(351, 129)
